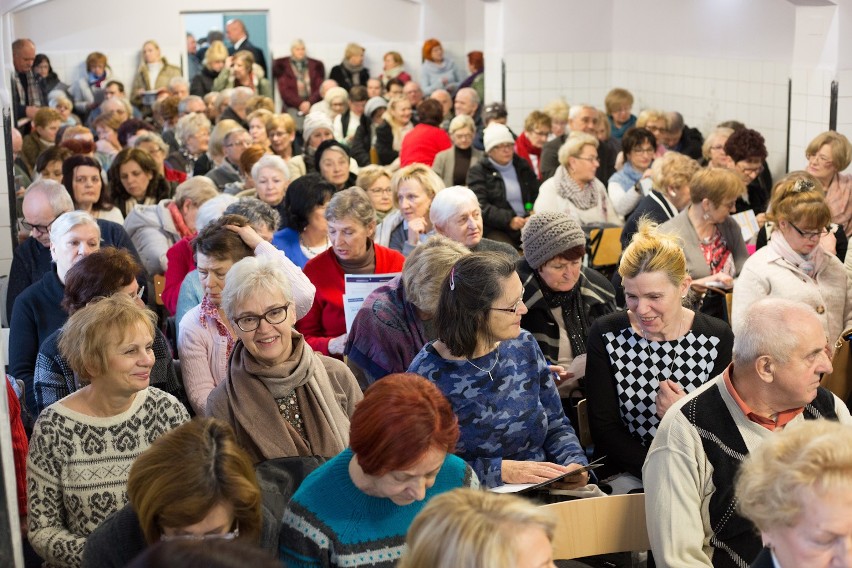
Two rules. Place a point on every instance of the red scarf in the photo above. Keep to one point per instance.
(524, 148)
(180, 225)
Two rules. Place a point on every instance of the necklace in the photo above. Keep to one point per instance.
(497, 360)
(311, 252)
(648, 347)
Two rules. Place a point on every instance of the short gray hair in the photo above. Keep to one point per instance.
(270, 161)
(462, 121)
(212, 209)
(175, 81)
(153, 138)
(252, 275)
(256, 211)
(447, 203)
(352, 202)
(68, 221)
(190, 124)
(55, 193)
(240, 96)
(573, 146)
(184, 103)
(575, 110)
(768, 328)
(470, 91)
(426, 268)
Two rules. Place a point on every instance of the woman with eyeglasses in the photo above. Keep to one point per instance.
(513, 428)
(794, 264)
(829, 154)
(83, 446)
(638, 145)
(215, 498)
(746, 150)
(376, 181)
(712, 241)
(281, 397)
(574, 189)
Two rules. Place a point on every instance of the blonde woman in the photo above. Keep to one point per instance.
(389, 135)
(657, 122)
(214, 62)
(376, 181)
(153, 73)
(243, 72)
(351, 70)
(412, 188)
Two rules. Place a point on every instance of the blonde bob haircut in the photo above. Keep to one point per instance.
(719, 185)
(283, 121)
(368, 175)
(841, 149)
(652, 251)
(426, 268)
(648, 115)
(353, 49)
(90, 334)
(798, 198)
(673, 170)
(422, 174)
(574, 145)
(213, 470)
(618, 99)
(197, 190)
(474, 529)
(723, 132)
(462, 121)
(557, 110)
(778, 479)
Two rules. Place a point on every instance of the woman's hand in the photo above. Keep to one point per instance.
(305, 107)
(535, 472)
(247, 234)
(573, 481)
(829, 243)
(761, 219)
(517, 223)
(668, 394)
(416, 228)
(336, 345)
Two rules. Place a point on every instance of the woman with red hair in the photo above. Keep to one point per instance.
(402, 436)
(438, 73)
(476, 79)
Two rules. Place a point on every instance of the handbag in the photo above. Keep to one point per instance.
(839, 380)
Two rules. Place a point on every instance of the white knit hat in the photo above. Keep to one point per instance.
(315, 121)
(496, 134)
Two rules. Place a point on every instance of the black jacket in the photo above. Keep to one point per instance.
(487, 183)
(690, 143)
(344, 77)
(203, 82)
(360, 147)
(384, 144)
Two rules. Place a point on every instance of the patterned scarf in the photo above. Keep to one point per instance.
(31, 95)
(208, 310)
(583, 198)
(716, 254)
(177, 218)
(809, 264)
(573, 312)
(355, 71)
(303, 78)
(391, 73)
(96, 80)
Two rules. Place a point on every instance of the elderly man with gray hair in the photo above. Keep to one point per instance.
(457, 215)
(780, 352)
(583, 118)
(236, 109)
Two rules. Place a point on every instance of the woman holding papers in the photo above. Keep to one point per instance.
(356, 508)
(351, 226)
(513, 428)
(281, 398)
(206, 337)
(794, 264)
(712, 241)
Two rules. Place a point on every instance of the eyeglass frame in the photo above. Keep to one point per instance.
(590, 159)
(41, 228)
(230, 535)
(512, 310)
(809, 235)
(265, 316)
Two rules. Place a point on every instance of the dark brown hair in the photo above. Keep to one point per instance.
(215, 241)
(430, 112)
(68, 168)
(100, 274)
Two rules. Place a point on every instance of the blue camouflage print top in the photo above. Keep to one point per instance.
(517, 416)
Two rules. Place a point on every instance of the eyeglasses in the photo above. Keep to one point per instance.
(274, 316)
(590, 159)
(40, 228)
(717, 147)
(821, 159)
(233, 535)
(643, 151)
(243, 143)
(380, 190)
(750, 171)
(512, 310)
(810, 235)
(541, 133)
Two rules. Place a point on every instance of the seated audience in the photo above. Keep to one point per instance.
(453, 164)
(193, 137)
(364, 141)
(513, 429)
(271, 177)
(479, 529)
(797, 490)
(713, 150)
(306, 233)
(376, 181)
(49, 164)
(413, 188)
(351, 71)
(402, 437)
(794, 264)
(619, 110)
(351, 225)
(643, 360)
(563, 297)
(401, 312)
(505, 185)
(574, 189)
(529, 143)
(427, 138)
(234, 144)
(99, 275)
(392, 68)
(136, 180)
(779, 352)
(83, 178)
(240, 70)
(215, 497)
(46, 123)
(216, 553)
(681, 138)
(281, 131)
(712, 241)
(638, 146)
(96, 432)
(206, 337)
(281, 398)
(438, 72)
(390, 134)
(334, 164)
(455, 213)
(657, 123)
(155, 228)
(828, 155)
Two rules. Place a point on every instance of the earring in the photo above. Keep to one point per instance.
(706, 217)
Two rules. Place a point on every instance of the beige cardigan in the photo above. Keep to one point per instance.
(445, 163)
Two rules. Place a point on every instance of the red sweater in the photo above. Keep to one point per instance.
(422, 144)
(20, 447)
(180, 263)
(326, 319)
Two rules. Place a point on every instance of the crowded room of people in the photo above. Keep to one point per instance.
(477, 284)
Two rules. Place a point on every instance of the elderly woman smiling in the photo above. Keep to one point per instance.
(413, 188)
(281, 398)
(97, 432)
(351, 224)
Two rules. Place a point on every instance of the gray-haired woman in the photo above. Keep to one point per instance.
(281, 398)
(351, 226)
(193, 136)
(453, 163)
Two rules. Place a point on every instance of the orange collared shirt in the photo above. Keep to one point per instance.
(782, 418)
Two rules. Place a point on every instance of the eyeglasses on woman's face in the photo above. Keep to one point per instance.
(513, 310)
(810, 235)
(274, 316)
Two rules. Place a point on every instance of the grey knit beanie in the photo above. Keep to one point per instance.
(315, 121)
(549, 233)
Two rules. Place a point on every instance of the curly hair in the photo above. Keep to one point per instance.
(746, 144)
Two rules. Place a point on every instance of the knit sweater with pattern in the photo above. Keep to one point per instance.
(330, 522)
(78, 466)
